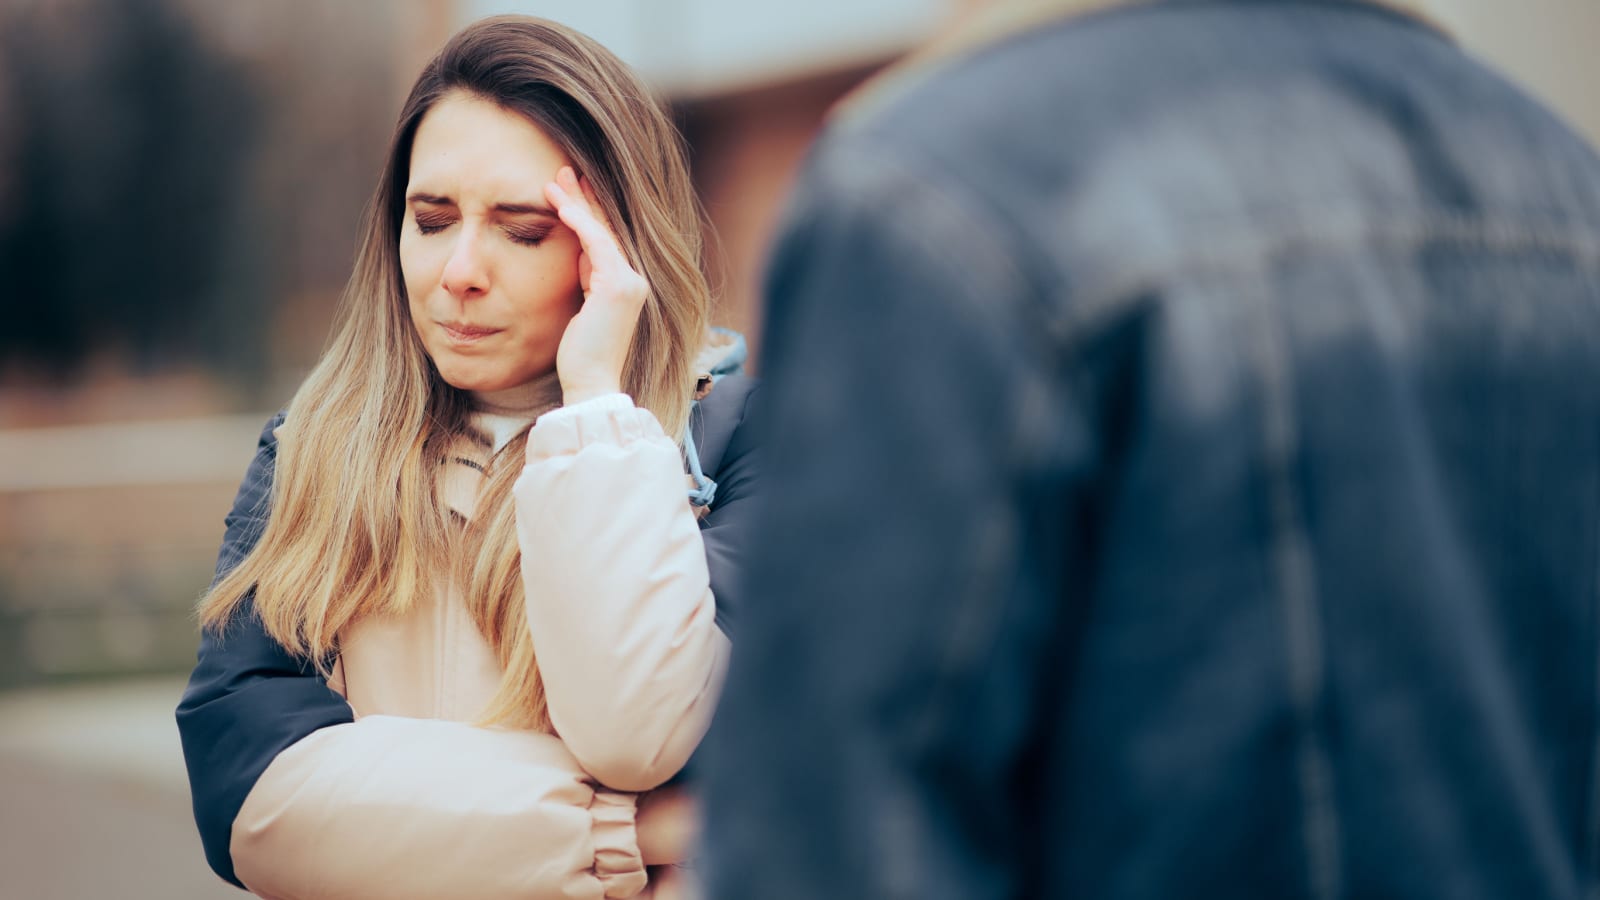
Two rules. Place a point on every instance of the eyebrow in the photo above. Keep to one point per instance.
(514, 209)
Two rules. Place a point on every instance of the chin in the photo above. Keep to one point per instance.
(465, 378)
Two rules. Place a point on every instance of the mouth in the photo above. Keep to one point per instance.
(462, 333)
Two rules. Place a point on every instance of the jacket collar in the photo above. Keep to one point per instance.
(987, 23)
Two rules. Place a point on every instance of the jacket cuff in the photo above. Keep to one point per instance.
(617, 861)
(611, 418)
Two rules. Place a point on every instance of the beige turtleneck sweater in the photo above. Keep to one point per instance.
(453, 672)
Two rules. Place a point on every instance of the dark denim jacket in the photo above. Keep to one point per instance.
(1185, 480)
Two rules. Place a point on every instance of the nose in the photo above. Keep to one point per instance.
(466, 272)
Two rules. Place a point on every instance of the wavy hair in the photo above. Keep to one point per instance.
(358, 527)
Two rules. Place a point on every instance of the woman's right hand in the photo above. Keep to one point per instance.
(667, 822)
(595, 345)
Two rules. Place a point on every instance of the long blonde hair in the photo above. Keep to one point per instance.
(357, 526)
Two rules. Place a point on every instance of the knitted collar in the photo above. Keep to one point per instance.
(505, 413)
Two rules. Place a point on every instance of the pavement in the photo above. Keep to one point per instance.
(94, 803)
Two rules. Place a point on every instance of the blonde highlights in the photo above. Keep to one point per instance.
(357, 526)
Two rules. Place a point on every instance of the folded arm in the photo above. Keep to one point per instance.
(391, 807)
(292, 796)
(619, 594)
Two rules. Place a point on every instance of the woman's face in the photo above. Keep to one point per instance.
(491, 273)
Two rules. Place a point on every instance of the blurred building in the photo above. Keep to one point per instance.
(180, 187)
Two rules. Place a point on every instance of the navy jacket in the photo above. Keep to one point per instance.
(248, 699)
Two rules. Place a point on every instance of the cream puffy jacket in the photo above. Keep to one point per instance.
(407, 798)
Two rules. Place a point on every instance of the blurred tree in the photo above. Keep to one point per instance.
(125, 139)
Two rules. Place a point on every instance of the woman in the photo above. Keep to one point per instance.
(459, 648)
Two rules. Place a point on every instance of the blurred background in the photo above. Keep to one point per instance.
(180, 187)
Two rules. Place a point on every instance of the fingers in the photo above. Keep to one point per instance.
(589, 195)
(579, 210)
(602, 267)
(665, 825)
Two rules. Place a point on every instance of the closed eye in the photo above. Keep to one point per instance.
(432, 224)
(529, 236)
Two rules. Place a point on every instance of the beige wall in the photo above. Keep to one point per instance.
(746, 148)
(1549, 47)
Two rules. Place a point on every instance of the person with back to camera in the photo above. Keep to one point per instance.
(1225, 519)
(459, 651)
